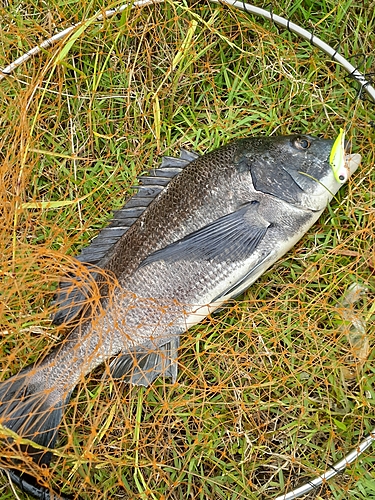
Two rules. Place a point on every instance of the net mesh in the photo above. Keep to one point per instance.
(274, 388)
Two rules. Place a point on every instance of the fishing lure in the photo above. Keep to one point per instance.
(337, 158)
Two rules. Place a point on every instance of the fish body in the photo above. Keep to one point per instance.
(199, 231)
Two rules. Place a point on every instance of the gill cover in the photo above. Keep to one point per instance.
(291, 169)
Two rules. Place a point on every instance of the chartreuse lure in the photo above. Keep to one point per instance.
(337, 158)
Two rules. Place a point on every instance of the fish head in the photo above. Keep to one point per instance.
(297, 169)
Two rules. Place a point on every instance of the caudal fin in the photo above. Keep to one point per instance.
(32, 412)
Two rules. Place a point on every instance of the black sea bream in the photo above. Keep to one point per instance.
(199, 231)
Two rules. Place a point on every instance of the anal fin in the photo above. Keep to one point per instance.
(143, 366)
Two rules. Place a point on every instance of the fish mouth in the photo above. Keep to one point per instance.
(352, 161)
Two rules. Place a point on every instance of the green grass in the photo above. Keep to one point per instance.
(262, 403)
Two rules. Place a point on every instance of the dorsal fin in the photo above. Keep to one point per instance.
(70, 299)
(133, 209)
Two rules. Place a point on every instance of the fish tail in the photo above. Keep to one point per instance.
(32, 411)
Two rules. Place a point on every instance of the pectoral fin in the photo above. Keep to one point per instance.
(234, 236)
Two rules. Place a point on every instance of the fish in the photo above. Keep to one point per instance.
(199, 231)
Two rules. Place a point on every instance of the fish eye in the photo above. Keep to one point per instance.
(301, 143)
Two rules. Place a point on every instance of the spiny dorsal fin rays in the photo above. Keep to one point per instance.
(133, 209)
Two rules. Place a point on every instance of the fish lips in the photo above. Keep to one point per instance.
(352, 162)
